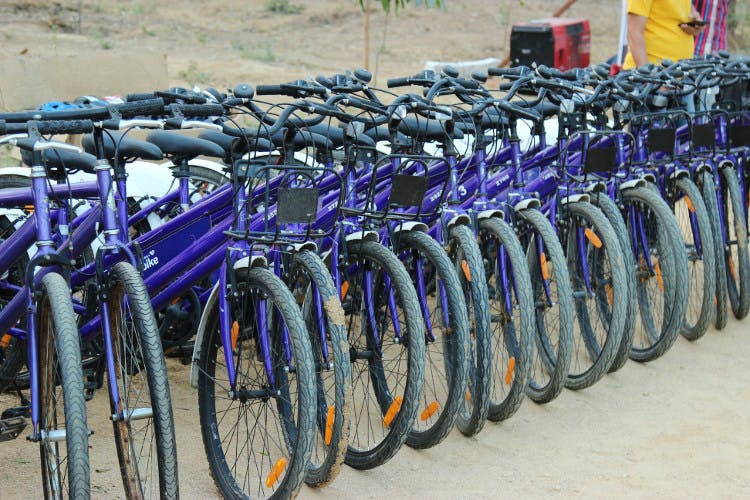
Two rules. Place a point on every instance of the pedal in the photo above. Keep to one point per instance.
(90, 383)
(18, 411)
(11, 427)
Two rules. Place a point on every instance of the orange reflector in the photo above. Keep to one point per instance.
(329, 424)
(465, 267)
(689, 204)
(657, 269)
(429, 411)
(235, 334)
(732, 270)
(545, 270)
(344, 289)
(593, 238)
(175, 300)
(610, 298)
(509, 371)
(276, 471)
(5, 340)
(392, 411)
(468, 395)
(28, 208)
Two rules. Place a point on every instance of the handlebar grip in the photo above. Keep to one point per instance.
(398, 82)
(140, 96)
(324, 81)
(202, 109)
(174, 97)
(234, 101)
(141, 108)
(508, 72)
(64, 127)
(269, 90)
(468, 84)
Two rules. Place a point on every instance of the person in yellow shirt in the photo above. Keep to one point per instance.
(658, 30)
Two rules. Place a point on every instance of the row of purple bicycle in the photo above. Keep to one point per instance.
(347, 270)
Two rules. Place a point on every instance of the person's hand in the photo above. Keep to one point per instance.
(693, 30)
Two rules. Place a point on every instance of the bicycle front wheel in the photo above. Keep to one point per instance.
(387, 349)
(553, 306)
(63, 431)
(661, 273)
(258, 432)
(736, 254)
(447, 339)
(311, 285)
(600, 290)
(707, 184)
(692, 218)
(142, 418)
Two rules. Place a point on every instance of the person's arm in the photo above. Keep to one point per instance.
(636, 39)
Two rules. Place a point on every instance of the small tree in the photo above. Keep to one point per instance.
(387, 4)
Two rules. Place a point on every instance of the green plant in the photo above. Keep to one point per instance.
(397, 4)
(263, 52)
(283, 7)
(194, 76)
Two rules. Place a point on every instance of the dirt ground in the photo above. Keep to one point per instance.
(673, 428)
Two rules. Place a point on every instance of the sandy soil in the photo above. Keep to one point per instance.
(674, 428)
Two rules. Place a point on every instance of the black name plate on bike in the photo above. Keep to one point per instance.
(600, 160)
(297, 205)
(740, 135)
(407, 191)
(703, 135)
(661, 140)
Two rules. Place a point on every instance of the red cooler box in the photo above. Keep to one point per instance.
(555, 42)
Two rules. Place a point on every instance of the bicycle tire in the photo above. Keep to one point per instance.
(553, 302)
(708, 190)
(446, 353)
(12, 349)
(467, 260)
(333, 393)
(61, 378)
(373, 394)
(613, 215)
(700, 309)
(140, 371)
(736, 254)
(600, 314)
(654, 338)
(292, 439)
(513, 321)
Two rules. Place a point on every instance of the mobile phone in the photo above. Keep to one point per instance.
(695, 24)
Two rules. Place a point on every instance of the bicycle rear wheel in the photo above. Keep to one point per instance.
(142, 418)
(387, 349)
(447, 340)
(63, 431)
(12, 349)
(258, 434)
